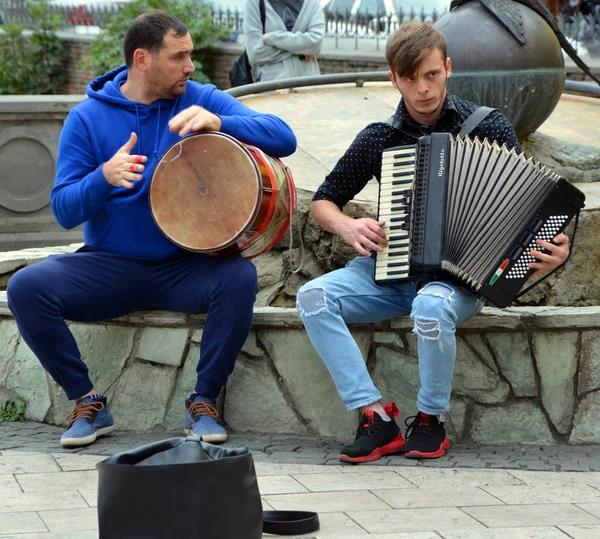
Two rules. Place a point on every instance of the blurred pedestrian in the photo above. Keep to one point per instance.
(292, 38)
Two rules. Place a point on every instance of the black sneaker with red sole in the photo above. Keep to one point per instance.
(425, 437)
(375, 437)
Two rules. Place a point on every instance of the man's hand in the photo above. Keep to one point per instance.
(363, 234)
(123, 168)
(194, 118)
(557, 254)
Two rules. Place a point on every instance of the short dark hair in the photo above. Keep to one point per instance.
(410, 44)
(148, 30)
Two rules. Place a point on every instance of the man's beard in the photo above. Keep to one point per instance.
(160, 91)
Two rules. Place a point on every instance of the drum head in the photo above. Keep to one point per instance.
(204, 192)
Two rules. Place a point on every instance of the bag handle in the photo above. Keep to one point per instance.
(261, 5)
(290, 522)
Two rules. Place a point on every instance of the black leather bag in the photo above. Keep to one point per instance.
(186, 488)
(241, 70)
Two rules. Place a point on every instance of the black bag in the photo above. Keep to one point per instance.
(241, 70)
(183, 487)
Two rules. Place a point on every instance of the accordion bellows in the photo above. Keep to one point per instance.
(471, 208)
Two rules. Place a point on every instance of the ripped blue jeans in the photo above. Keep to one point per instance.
(350, 295)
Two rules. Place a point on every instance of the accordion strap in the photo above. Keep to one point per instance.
(551, 272)
(466, 127)
(474, 120)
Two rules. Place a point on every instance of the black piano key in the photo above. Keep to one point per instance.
(400, 174)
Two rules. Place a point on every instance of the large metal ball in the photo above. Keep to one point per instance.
(490, 67)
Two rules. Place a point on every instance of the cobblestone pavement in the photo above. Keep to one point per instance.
(548, 492)
(41, 438)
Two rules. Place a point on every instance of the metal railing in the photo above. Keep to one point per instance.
(582, 30)
(588, 89)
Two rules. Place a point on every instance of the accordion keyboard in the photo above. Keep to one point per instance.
(395, 197)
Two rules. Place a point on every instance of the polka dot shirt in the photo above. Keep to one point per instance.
(362, 160)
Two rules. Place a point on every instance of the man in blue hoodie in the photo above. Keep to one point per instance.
(108, 149)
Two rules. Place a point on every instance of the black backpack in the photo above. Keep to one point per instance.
(241, 70)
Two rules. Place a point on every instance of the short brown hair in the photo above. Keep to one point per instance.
(410, 44)
(148, 30)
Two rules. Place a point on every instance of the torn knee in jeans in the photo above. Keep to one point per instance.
(311, 301)
(427, 328)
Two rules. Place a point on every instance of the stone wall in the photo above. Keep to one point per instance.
(29, 130)
(523, 375)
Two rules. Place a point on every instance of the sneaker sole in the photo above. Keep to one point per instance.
(432, 455)
(210, 438)
(86, 440)
(396, 446)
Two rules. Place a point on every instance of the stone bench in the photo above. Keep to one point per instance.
(523, 374)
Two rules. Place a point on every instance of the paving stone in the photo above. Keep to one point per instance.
(522, 495)
(460, 478)
(552, 479)
(531, 532)
(49, 482)
(593, 508)
(400, 498)
(280, 484)
(81, 534)
(9, 485)
(40, 501)
(70, 463)
(355, 482)
(342, 501)
(17, 462)
(21, 523)
(589, 531)
(553, 514)
(70, 519)
(407, 520)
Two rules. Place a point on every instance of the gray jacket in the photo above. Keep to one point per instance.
(274, 55)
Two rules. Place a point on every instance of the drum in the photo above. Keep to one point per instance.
(212, 194)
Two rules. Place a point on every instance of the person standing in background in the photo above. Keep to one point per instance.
(291, 41)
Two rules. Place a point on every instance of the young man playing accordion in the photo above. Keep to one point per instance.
(419, 69)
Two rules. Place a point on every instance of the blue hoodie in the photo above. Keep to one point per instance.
(117, 219)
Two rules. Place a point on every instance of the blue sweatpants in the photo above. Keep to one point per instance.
(89, 286)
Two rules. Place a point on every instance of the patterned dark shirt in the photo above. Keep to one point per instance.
(362, 160)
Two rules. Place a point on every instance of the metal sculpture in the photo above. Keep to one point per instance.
(507, 54)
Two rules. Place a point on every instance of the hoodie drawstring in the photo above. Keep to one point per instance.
(139, 131)
(157, 134)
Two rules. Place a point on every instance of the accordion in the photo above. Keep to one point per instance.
(471, 209)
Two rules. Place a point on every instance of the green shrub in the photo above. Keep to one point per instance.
(32, 62)
(12, 412)
(106, 52)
